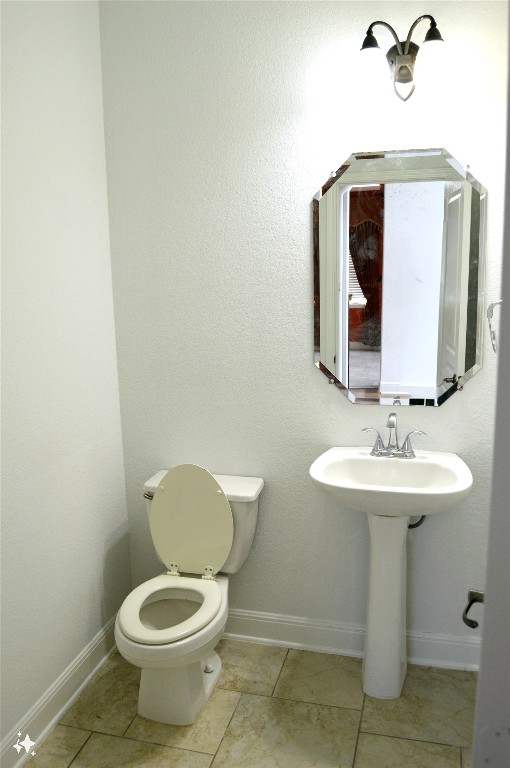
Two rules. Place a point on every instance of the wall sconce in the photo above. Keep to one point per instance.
(402, 56)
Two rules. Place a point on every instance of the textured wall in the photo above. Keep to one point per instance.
(65, 560)
(222, 120)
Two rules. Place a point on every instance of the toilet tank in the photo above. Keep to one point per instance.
(243, 495)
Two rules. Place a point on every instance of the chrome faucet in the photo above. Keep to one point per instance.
(392, 448)
(391, 424)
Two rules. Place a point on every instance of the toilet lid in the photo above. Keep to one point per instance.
(191, 520)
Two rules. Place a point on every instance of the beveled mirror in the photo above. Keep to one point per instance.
(399, 242)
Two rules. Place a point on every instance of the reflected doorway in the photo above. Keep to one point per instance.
(366, 238)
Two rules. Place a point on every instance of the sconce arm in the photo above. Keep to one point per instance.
(390, 28)
(413, 27)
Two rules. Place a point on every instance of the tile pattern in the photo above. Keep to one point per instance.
(204, 735)
(103, 751)
(108, 704)
(250, 667)
(267, 732)
(387, 752)
(272, 708)
(435, 705)
(60, 747)
(321, 679)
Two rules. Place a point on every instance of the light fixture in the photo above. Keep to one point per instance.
(402, 56)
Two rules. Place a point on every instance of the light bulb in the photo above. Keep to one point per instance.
(431, 65)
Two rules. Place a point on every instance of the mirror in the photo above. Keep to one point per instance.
(399, 241)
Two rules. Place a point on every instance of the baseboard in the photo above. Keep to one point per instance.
(46, 712)
(447, 651)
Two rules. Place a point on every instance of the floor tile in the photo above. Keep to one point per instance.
(203, 736)
(250, 667)
(103, 751)
(467, 757)
(266, 732)
(388, 752)
(109, 702)
(59, 747)
(436, 705)
(321, 678)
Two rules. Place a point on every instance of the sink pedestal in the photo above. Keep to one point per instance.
(390, 490)
(385, 660)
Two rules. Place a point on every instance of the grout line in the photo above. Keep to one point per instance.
(316, 704)
(130, 724)
(292, 701)
(280, 672)
(78, 728)
(359, 731)
(80, 749)
(145, 741)
(419, 741)
(159, 743)
(226, 729)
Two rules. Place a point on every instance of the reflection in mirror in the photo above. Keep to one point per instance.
(398, 263)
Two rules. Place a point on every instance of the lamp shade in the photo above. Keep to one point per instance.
(433, 34)
(369, 42)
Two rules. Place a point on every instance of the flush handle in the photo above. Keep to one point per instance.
(474, 596)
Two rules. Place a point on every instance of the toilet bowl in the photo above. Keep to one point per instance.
(200, 524)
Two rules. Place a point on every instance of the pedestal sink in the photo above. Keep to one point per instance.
(390, 490)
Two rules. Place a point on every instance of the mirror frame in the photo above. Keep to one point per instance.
(383, 167)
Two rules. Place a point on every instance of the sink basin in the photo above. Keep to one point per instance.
(393, 487)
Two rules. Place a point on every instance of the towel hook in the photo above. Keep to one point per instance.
(490, 312)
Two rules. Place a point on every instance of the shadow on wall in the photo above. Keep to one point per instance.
(116, 573)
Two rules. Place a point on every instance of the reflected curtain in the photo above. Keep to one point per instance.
(365, 249)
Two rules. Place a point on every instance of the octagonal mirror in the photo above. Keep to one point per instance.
(399, 242)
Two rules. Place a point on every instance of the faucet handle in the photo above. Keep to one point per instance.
(378, 449)
(407, 448)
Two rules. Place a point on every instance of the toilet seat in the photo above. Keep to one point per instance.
(192, 529)
(135, 629)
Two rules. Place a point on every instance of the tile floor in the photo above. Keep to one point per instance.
(272, 708)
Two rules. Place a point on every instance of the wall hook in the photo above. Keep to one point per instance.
(490, 312)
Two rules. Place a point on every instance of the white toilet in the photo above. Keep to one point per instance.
(200, 524)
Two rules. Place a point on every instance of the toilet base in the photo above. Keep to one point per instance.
(177, 695)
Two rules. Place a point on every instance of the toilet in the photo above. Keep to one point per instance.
(202, 526)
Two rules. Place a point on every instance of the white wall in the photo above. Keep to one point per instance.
(65, 555)
(222, 120)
